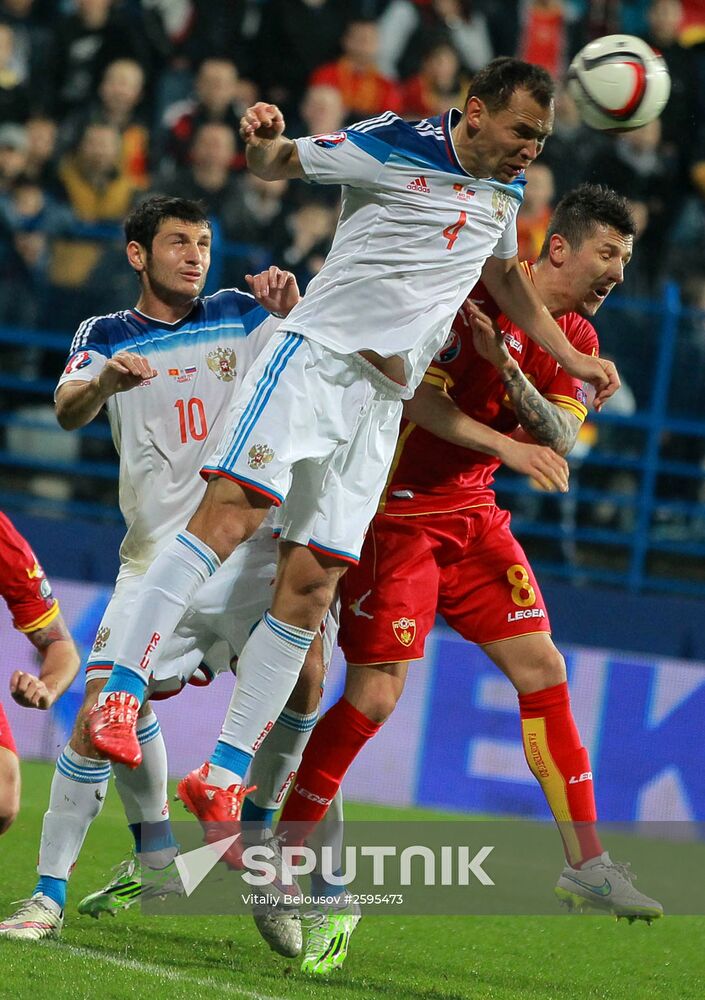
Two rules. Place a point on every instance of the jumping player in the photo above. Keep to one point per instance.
(441, 545)
(425, 205)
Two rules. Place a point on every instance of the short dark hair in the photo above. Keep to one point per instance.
(143, 222)
(495, 83)
(579, 211)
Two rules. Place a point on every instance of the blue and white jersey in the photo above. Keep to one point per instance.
(413, 235)
(165, 429)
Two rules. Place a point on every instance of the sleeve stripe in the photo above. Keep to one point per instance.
(82, 335)
(434, 380)
(440, 374)
(572, 405)
(46, 619)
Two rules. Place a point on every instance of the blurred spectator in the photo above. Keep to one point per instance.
(571, 146)
(96, 188)
(84, 42)
(296, 37)
(41, 148)
(406, 27)
(365, 91)
(14, 95)
(678, 118)
(256, 224)
(309, 235)
(30, 218)
(209, 178)
(29, 43)
(13, 155)
(321, 111)
(218, 99)
(535, 212)
(544, 35)
(436, 88)
(119, 97)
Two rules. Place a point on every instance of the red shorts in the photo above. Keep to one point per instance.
(466, 566)
(6, 738)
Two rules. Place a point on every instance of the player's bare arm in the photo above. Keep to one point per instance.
(275, 290)
(518, 299)
(77, 403)
(432, 409)
(60, 663)
(547, 423)
(269, 153)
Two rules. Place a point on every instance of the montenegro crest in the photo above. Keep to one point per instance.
(101, 639)
(405, 630)
(222, 362)
(500, 205)
(259, 455)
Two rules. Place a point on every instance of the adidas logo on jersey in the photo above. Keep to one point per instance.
(419, 184)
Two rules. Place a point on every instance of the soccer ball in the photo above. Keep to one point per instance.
(619, 83)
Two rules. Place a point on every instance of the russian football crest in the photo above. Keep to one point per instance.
(259, 455)
(223, 363)
(101, 639)
(405, 630)
(500, 205)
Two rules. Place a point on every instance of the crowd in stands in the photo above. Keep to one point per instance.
(102, 101)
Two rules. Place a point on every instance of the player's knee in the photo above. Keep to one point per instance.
(546, 670)
(375, 702)
(306, 695)
(227, 516)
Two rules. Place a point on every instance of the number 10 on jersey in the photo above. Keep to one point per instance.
(192, 419)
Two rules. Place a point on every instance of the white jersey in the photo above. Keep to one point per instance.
(414, 232)
(164, 429)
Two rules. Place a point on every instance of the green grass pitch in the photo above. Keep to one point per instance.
(401, 958)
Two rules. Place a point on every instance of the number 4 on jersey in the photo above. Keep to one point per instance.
(451, 232)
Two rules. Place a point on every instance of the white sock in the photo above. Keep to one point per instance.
(78, 791)
(143, 792)
(168, 589)
(277, 761)
(267, 671)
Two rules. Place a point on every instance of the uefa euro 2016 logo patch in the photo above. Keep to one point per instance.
(405, 630)
(223, 363)
(259, 455)
(78, 361)
(329, 140)
(450, 350)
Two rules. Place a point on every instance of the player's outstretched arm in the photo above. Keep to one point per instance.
(77, 403)
(60, 663)
(546, 423)
(269, 153)
(432, 409)
(275, 290)
(518, 299)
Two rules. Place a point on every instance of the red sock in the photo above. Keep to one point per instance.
(335, 743)
(561, 765)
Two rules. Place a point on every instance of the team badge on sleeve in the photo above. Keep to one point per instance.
(405, 630)
(329, 140)
(78, 361)
(500, 205)
(223, 363)
(259, 455)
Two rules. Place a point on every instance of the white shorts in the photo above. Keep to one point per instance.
(316, 432)
(212, 633)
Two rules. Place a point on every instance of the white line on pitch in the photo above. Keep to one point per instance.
(162, 971)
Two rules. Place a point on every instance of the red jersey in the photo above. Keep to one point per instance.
(429, 475)
(22, 581)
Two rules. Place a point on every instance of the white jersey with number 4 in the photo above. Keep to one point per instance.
(413, 235)
(164, 429)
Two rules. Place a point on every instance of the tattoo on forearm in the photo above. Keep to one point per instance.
(44, 637)
(547, 423)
